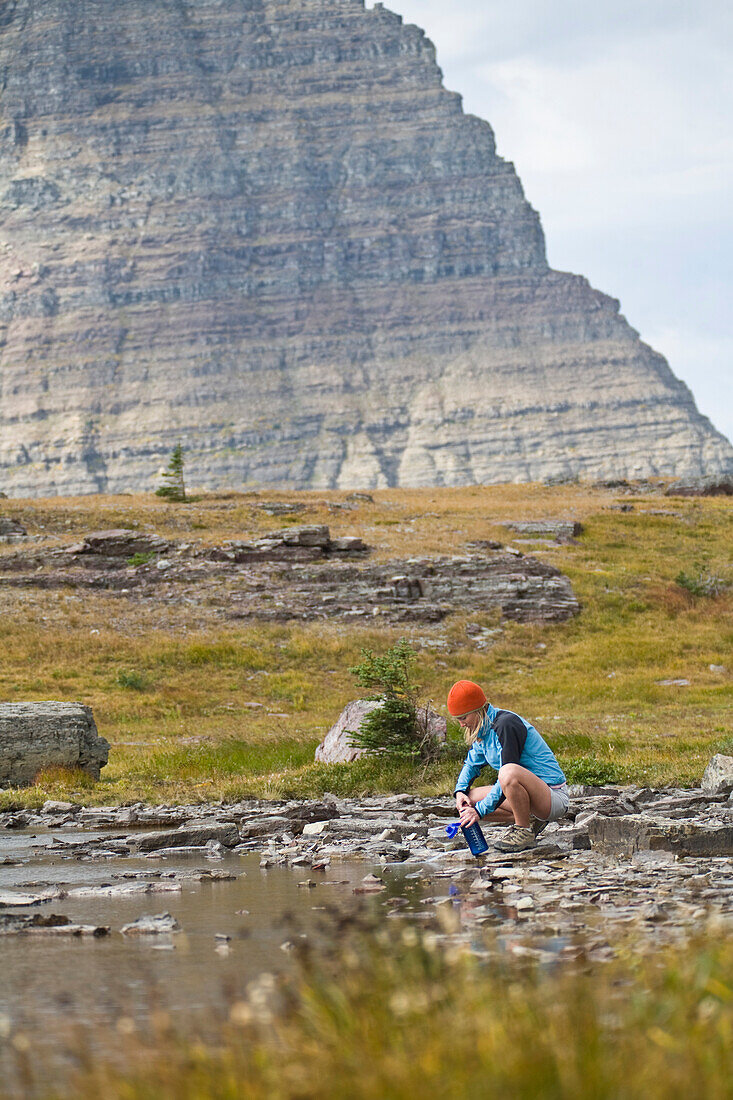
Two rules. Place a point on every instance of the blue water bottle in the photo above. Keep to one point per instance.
(475, 838)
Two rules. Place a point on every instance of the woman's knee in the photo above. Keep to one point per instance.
(510, 773)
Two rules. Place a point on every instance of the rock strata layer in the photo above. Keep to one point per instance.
(299, 573)
(34, 736)
(267, 231)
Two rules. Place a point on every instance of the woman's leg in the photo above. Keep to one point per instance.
(502, 815)
(525, 794)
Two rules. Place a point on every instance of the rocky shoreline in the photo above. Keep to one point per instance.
(657, 861)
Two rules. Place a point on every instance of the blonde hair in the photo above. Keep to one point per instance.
(470, 733)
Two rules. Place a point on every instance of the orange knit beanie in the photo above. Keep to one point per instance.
(464, 697)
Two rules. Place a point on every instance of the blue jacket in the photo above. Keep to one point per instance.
(505, 738)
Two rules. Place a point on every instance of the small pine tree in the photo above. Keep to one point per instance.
(173, 487)
(398, 725)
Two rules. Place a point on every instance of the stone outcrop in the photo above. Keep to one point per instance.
(338, 747)
(116, 544)
(34, 736)
(714, 485)
(301, 573)
(267, 231)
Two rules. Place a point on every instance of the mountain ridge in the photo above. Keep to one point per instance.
(265, 229)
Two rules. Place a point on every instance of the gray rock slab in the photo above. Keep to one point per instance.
(558, 529)
(157, 925)
(705, 486)
(627, 835)
(129, 889)
(120, 543)
(51, 925)
(262, 826)
(34, 736)
(226, 834)
(11, 527)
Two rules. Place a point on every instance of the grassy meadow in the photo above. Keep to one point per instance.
(199, 708)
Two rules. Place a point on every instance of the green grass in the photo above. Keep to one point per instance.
(392, 1016)
(158, 680)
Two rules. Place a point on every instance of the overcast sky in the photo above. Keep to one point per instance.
(618, 117)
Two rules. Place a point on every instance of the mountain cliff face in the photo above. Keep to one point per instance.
(264, 229)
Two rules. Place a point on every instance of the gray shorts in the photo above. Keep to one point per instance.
(560, 801)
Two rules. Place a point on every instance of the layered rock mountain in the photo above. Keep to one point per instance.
(264, 228)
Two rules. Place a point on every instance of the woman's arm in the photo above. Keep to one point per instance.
(472, 766)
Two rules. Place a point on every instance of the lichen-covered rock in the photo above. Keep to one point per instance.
(718, 776)
(268, 229)
(34, 736)
(337, 747)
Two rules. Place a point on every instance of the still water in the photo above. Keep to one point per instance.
(49, 980)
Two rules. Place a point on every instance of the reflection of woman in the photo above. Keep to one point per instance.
(530, 783)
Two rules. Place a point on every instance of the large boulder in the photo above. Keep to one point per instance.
(34, 736)
(338, 747)
(718, 776)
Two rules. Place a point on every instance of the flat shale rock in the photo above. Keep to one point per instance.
(122, 543)
(426, 590)
(714, 485)
(34, 736)
(559, 530)
(627, 835)
(51, 925)
(187, 836)
(160, 924)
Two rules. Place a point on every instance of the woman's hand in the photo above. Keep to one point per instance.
(462, 800)
(468, 813)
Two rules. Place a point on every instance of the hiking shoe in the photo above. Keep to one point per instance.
(537, 825)
(517, 839)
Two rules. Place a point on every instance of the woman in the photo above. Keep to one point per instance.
(530, 781)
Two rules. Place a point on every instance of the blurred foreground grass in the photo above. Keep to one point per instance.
(200, 709)
(397, 1015)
